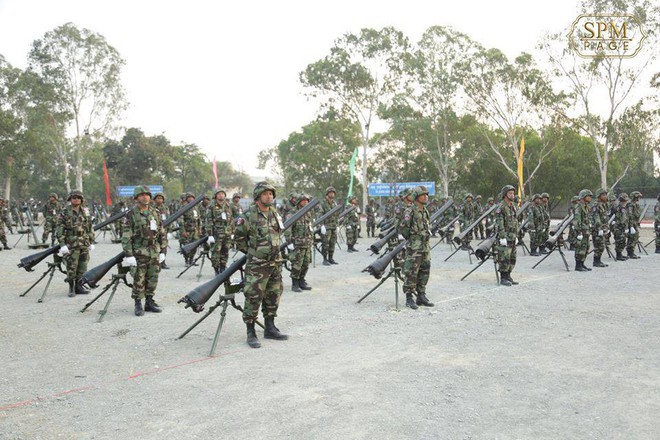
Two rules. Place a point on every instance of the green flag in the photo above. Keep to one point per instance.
(351, 166)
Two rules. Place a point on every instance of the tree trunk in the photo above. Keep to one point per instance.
(8, 186)
(365, 186)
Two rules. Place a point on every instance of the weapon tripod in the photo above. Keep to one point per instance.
(394, 271)
(229, 298)
(202, 254)
(497, 273)
(56, 264)
(557, 247)
(116, 279)
(466, 247)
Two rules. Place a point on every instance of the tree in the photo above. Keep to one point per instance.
(84, 70)
(361, 72)
(602, 86)
(508, 96)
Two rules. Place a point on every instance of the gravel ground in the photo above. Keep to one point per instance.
(562, 355)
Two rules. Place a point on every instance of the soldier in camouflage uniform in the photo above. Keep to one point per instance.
(301, 239)
(352, 222)
(656, 225)
(190, 228)
(599, 225)
(159, 204)
(389, 208)
(415, 227)
(116, 209)
(506, 230)
(478, 210)
(545, 231)
(634, 212)
(621, 226)
(50, 210)
(490, 219)
(405, 201)
(218, 225)
(203, 208)
(535, 225)
(75, 236)
(450, 214)
(236, 208)
(371, 211)
(467, 218)
(257, 235)
(571, 229)
(330, 227)
(4, 219)
(582, 225)
(144, 241)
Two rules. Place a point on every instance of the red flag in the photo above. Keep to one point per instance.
(215, 172)
(108, 200)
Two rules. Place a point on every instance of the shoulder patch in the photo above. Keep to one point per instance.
(498, 210)
(240, 221)
(407, 216)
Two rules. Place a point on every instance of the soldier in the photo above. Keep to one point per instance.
(4, 219)
(478, 210)
(218, 225)
(371, 211)
(203, 208)
(467, 218)
(236, 209)
(145, 243)
(257, 235)
(571, 229)
(404, 202)
(599, 225)
(490, 220)
(582, 225)
(506, 230)
(116, 209)
(301, 239)
(545, 231)
(329, 227)
(389, 208)
(621, 226)
(415, 227)
(535, 225)
(159, 204)
(635, 211)
(50, 210)
(450, 214)
(352, 221)
(190, 229)
(656, 225)
(75, 236)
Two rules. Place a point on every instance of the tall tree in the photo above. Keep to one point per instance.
(361, 72)
(84, 70)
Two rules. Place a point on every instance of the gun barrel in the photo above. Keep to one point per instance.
(377, 268)
(111, 219)
(467, 230)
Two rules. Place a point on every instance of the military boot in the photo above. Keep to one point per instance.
(533, 252)
(598, 263)
(580, 267)
(252, 340)
(422, 300)
(620, 256)
(139, 311)
(410, 302)
(632, 255)
(542, 250)
(303, 284)
(272, 332)
(5, 247)
(657, 250)
(151, 306)
(331, 259)
(72, 292)
(164, 266)
(504, 280)
(80, 290)
(326, 262)
(295, 285)
(508, 277)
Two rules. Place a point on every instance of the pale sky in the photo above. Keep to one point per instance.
(225, 77)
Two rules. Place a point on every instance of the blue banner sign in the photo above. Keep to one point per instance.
(393, 188)
(127, 191)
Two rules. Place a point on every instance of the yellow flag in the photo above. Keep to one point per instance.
(520, 170)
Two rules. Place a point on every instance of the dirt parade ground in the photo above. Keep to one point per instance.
(563, 355)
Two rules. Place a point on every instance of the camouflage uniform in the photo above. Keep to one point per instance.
(145, 239)
(582, 225)
(621, 226)
(203, 209)
(236, 208)
(478, 210)
(116, 209)
(159, 204)
(490, 219)
(599, 227)
(397, 216)
(74, 230)
(656, 225)
(506, 230)
(535, 225)
(257, 235)
(571, 229)
(467, 218)
(4, 218)
(415, 227)
(50, 210)
(330, 236)
(635, 211)
(545, 232)
(371, 210)
(301, 235)
(190, 228)
(352, 223)
(219, 224)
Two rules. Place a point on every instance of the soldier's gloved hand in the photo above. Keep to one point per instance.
(502, 241)
(129, 262)
(211, 239)
(170, 236)
(580, 237)
(323, 230)
(63, 251)
(348, 228)
(161, 258)
(600, 233)
(401, 237)
(92, 247)
(632, 231)
(290, 246)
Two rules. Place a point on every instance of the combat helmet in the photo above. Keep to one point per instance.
(219, 191)
(505, 189)
(624, 196)
(585, 193)
(75, 192)
(545, 195)
(536, 196)
(575, 199)
(159, 195)
(189, 195)
(293, 198)
(601, 191)
(261, 187)
(235, 195)
(53, 195)
(141, 189)
(468, 195)
(330, 189)
(405, 192)
(351, 198)
(300, 197)
(419, 191)
(635, 195)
